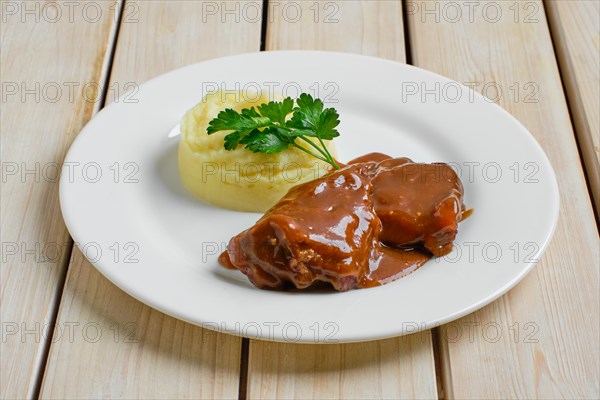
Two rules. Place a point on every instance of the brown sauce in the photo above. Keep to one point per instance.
(371, 222)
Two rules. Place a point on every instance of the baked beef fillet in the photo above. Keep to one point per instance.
(322, 230)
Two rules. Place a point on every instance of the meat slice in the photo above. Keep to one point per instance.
(418, 204)
(323, 230)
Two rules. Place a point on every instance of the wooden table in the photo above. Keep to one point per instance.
(63, 61)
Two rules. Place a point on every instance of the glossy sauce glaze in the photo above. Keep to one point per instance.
(417, 203)
(371, 222)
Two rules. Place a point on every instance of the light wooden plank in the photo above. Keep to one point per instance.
(393, 368)
(575, 27)
(548, 345)
(366, 27)
(49, 56)
(385, 369)
(168, 358)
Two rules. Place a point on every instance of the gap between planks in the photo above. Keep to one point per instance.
(243, 383)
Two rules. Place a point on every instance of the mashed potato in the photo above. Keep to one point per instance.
(237, 179)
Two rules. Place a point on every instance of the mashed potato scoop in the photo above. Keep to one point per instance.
(238, 179)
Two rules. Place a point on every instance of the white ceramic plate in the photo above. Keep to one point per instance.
(126, 209)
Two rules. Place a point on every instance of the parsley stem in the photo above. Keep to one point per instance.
(335, 164)
(310, 152)
(310, 142)
(323, 150)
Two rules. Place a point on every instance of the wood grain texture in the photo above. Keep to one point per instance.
(48, 57)
(393, 368)
(385, 369)
(167, 358)
(366, 27)
(575, 27)
(121, 348)
(548, 343)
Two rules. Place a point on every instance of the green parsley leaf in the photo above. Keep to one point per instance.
(277, 111)
(269, 141)
(233, 139)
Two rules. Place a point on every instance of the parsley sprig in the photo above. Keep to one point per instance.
(267, 129)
